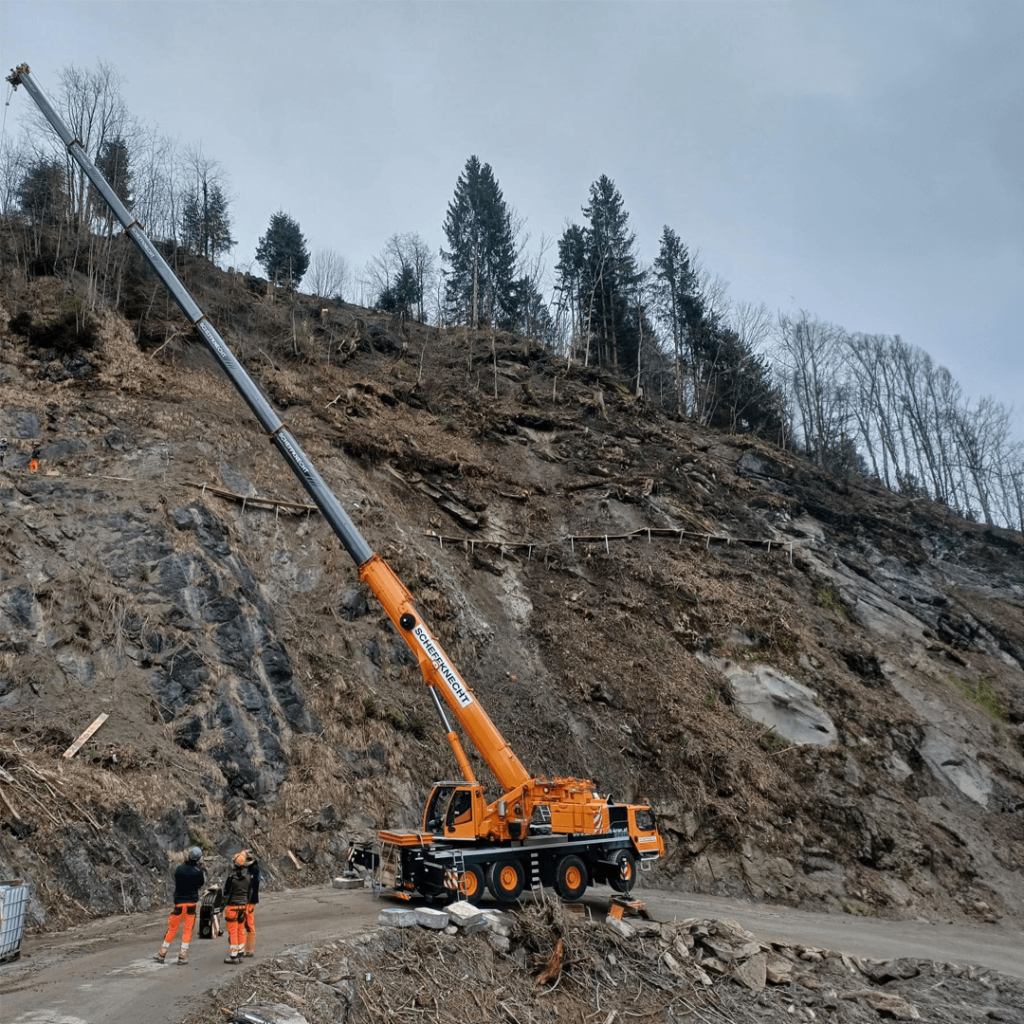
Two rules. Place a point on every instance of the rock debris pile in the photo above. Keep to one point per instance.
(550, 963)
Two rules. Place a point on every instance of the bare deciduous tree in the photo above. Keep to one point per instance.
(328, 275)
(813, 356)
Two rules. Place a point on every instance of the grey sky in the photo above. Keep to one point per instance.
(862, 161)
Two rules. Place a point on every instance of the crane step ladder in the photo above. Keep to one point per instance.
(384, 876)
(453, 877)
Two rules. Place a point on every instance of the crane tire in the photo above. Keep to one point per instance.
(571, 878)
(624, 878)
(505, 879)
(471, 885)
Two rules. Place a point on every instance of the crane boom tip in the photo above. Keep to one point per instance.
(15, 76)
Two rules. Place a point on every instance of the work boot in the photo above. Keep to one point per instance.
(160, 958)
(250, 954)
(183, 958)
(232, 959)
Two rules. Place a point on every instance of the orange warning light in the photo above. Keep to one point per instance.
(33, 465)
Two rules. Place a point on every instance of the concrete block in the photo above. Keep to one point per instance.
(347, 883)
(430, 917)
(464, 915)
(397, 917)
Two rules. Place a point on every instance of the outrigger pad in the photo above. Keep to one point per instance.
(622, 906)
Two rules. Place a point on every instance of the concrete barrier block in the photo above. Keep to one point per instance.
(463, 914)
(430, 917)
(397, 917)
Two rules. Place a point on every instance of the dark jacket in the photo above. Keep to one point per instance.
(189, 878)
(254, 879)
(236, 889)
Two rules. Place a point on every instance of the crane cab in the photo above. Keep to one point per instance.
(455, 810)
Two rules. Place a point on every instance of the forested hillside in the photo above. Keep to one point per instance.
(658, 318)
(816, 681)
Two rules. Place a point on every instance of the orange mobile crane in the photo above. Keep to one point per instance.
(538, 832)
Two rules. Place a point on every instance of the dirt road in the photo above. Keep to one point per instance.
(104, 972)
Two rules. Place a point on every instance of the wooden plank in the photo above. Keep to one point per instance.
(252, 500)
(77, 745)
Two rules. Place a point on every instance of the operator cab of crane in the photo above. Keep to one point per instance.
(451, 809)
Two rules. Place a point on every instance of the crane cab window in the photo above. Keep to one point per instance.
(433, 818)
(644, 819)
(460, 808)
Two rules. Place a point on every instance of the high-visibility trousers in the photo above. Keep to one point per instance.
(234, 917)
(250, 929)
(183, 914)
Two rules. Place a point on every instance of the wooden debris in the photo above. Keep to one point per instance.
(554, 965)
(248, 499)
(78, 744)
(10, 806)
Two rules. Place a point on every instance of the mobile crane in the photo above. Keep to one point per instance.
(538, 832)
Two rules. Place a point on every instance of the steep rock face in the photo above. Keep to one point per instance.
(590, 568)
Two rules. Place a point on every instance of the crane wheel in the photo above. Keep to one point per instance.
(625, 879)
(571, 878)
(505, 879)
(471, 884)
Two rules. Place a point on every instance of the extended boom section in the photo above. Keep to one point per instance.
(537, 832)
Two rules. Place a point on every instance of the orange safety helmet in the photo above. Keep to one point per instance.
(243, 859)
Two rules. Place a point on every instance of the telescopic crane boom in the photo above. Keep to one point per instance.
(566, 833)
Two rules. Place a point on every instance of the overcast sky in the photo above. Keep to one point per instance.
(863, 161)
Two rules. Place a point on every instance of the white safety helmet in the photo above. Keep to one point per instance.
(195, 854)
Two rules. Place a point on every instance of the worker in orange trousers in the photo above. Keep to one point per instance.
(189, 878)
(250, 909)
(236, 898)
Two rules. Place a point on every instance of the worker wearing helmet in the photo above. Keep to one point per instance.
(237, 888)
(189, 878)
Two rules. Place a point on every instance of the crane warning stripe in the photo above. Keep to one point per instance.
(444, 670)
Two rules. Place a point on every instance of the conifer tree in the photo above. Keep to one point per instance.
(113, 163)
(676, 292)
(205, 224)
(599, 276)
(282, 251)
(42, 193)
(478, 226)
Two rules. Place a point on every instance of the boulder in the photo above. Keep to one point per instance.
(778, 970)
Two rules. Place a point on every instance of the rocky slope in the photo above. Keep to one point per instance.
(818, 683)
